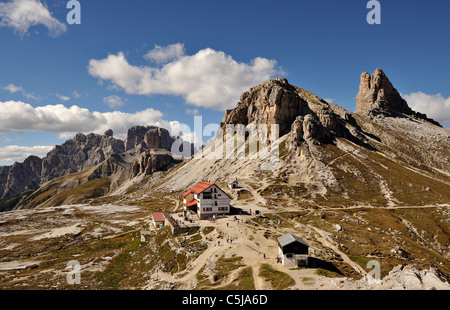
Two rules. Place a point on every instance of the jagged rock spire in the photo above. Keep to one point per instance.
(377, 96)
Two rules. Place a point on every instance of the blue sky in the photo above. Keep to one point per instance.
(162, 62)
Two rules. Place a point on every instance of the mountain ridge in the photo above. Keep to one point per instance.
(78, 154)
(316, 139)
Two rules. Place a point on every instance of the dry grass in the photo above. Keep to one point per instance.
(277, 279)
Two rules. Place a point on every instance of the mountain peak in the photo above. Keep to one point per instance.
(377, 96)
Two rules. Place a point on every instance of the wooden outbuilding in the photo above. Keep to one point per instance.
(293, 251)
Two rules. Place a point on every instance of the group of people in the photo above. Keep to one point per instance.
(171, 220)
(191, 247)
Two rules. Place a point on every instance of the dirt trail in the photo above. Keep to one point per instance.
(251, 251)
(296, 209)
(249, 243)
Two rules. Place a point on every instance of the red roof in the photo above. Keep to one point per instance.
(190, 204)
(200, 187)
(158, 217)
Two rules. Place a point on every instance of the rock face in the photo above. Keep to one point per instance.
(153, 161)
(299, 113)
(151, 137)
(273, 102)
(77, 154)
(74, 155)
(22, 176)
(377, 96)
(148, 137)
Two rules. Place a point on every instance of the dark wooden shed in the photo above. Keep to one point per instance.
(293, 250)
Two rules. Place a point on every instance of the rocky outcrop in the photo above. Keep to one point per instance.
(4, 172)
(151, 137)
(148, 137)
(109, 133)
(153, 161)
(273, 102)
(406, 278)
(21, 177)
(297, 112)
(377, 96)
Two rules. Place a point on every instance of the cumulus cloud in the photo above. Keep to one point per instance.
(209, 79)
(435, 106)
(21, 117)
(114, 101)
(16, 153)
(21, 15)
(165, 54)
(18, 116)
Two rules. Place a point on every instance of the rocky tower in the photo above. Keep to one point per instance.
(377, 96)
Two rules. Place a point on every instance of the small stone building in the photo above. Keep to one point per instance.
(234, 184)
(158, 220)
(293, 251)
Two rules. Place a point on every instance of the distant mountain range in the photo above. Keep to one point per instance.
(78, 154)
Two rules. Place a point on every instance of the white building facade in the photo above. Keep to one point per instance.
(207, 200)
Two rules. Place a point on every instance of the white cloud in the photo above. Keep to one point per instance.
(76, 94)
(435, 106)
(14, 89)
(18, 116)
(192, 111)
(62, 97)
(209, 79)
(16, 153)
(21, 15)
(114, 101)
(165, 54)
